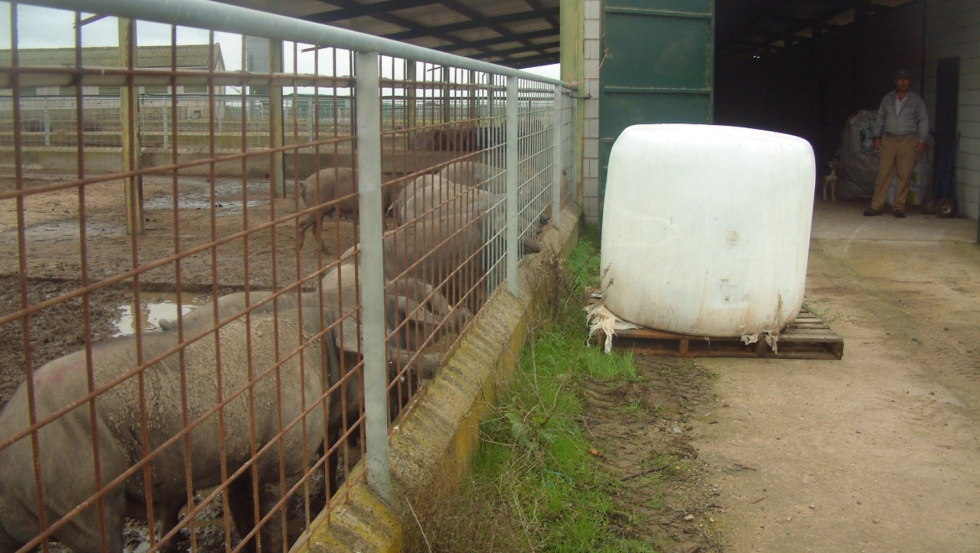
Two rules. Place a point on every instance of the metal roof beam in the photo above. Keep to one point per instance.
(350, 10)
(413, 27)
(468, 25)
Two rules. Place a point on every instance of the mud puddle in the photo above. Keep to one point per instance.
(153, 308)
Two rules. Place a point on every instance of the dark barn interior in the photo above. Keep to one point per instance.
(801, 67)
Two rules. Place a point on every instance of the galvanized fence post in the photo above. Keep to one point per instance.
(368, 130)
(513, 253)
(556, 161)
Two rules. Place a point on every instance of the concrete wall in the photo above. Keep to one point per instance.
(590, 149)
(953, 29)
(433, 447)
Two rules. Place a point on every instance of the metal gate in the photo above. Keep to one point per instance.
(659, 68)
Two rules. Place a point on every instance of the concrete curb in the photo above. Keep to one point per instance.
(436, 442)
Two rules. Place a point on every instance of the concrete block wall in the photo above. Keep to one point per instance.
(590, 149)
(953, 29)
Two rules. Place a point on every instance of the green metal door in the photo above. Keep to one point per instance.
(659, 68)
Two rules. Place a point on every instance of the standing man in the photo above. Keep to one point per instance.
(901, 129)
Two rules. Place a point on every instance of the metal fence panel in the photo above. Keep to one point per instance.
(194, 311)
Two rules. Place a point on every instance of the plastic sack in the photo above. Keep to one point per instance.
(857, 166)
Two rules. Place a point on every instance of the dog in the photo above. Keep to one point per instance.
(830, 181)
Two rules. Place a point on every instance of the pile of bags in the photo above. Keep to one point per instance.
(857, 166)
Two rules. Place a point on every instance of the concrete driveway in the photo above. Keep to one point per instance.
(877, 452)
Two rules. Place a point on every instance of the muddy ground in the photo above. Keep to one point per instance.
(642, 436)
(47, 255)
(877, 452)
(57, 262)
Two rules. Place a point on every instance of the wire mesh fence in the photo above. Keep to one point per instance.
(221, 279)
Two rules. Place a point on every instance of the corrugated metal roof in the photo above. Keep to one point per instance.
(526, 33)
(513, 33)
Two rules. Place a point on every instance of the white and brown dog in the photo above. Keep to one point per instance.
(830, 181)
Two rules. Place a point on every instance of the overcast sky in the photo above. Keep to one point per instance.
(49, 28)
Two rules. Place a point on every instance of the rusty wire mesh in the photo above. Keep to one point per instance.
(166, 336)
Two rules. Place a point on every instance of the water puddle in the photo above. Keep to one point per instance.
(231, 206)
(227, 197)
(155, 306)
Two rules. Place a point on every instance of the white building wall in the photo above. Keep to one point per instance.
(953, 29)
(590, 151)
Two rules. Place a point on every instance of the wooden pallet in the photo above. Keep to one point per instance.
(805, 338)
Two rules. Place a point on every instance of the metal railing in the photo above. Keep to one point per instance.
(293, 340)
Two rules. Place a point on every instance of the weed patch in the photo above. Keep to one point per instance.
(586, 452)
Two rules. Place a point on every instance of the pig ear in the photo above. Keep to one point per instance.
(331, 350)
(346, 336)
(437, 303)
(530, 245)
(413, 311)
(428, 365)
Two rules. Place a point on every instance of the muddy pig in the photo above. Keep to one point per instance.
(337, 188)
(173, 396)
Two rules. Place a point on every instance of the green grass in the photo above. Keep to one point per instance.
(537, 484)
(535, 452)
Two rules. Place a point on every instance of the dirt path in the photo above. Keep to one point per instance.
(878, 452)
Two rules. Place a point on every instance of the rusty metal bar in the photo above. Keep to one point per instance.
(415, 115)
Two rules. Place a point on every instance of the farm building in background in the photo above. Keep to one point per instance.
(190, 57)
(49, 106)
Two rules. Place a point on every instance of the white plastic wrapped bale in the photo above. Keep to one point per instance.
(706, 229)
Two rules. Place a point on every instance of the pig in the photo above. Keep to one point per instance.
(466, 138)
(474, 173)
(488, 137)
(415, 310)
(437, 196)
(169, 386)
(493, 179)
(336, 187)
(433, 197)
(422, 140)
(228, 305)
(459, 139)
(410, 322)
(443, 253)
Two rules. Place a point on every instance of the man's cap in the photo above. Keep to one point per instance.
(902, 74)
